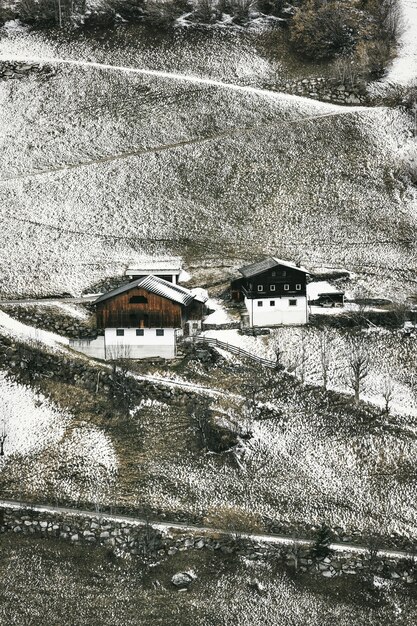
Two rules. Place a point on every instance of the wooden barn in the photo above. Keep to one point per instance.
(142, 318)
(274, 292)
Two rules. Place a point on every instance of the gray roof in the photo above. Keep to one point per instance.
(262, 266)
(168, 265)
(153, 284)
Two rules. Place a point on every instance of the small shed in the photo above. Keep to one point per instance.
(168, 269)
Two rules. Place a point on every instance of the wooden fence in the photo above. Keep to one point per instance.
(233, 349)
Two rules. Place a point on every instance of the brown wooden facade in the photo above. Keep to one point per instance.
(139, 308)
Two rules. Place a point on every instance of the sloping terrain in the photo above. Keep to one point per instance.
(100, 166)
(75, 585)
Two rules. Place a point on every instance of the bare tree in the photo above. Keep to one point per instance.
(120, 388)
(387, 393)
(278, 353)
(358, 366)
(325, 340)
(3, 437)
(299, 358)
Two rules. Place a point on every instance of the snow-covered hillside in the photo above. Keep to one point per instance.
(100, 166)
(44, 453)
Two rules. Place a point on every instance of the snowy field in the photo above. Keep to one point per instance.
(45, 454)
(403, 70)
(101, 166)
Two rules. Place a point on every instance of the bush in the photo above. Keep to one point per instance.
(322, 542)
(38, 11)
(320, 31)
(233, 520)
(206, 11)
(163, 12)
(239, 9)
(271, 7)
(128, 9)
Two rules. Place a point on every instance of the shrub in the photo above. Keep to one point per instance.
(271, 7)
(233, 519)
(128, 9)
(163, 12)
(239, 9)
(38, 11)
(206, 11)
(322, 542)
(320, 31)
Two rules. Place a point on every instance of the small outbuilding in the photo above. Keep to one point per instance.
(168, 269)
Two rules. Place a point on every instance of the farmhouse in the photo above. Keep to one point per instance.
(274, 292)
(142, 319)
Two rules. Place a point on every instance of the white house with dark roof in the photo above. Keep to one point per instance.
(274, 292)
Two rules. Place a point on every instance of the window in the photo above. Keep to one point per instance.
(138, 300)
(286, 287)
(160, 332)
(260, 287)
(140, 332)
(284, 272)
(120, 332)
(260, 303)
(272, 287)
(292, 302)
(298, 287)
(272, 303)
(274, 273)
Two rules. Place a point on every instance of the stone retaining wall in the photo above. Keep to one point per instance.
(327, 91)
(17, 69)
(51, 318)
(147, 540)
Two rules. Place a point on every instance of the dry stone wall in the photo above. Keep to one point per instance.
(149, 541)
(17, 69)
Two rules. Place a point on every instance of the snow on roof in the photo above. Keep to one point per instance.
(155, 285)
(266, 264)
(171, 265)
(319, 288)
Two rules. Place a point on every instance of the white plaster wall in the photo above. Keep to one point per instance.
(131, 346)
(93, 348)
(281, 313)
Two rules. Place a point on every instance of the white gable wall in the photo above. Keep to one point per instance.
(282, 313)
